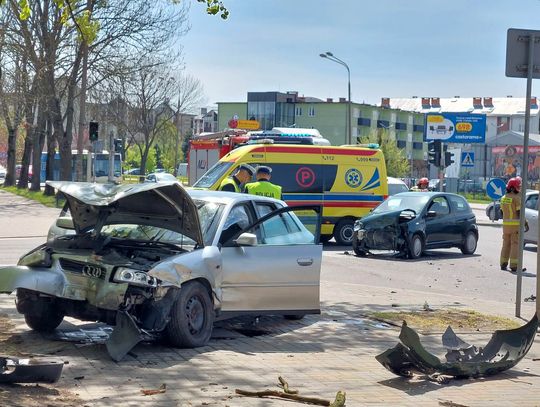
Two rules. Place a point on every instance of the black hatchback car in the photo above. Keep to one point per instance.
(412, 222)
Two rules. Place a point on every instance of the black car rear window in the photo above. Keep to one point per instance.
(459, 203)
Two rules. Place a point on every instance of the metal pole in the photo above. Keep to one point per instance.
(111, 157)
(524, 171)
(349, 123)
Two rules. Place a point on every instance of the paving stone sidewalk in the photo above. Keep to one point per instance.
(318, 356)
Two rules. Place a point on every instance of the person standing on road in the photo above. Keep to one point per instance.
(263, 186)
(511, 207)
(235, 182)
(421, 186)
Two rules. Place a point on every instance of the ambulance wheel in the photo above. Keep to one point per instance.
(343, 232)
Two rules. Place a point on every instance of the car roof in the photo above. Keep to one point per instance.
(226, 197)
(430, 194)
(392, 180)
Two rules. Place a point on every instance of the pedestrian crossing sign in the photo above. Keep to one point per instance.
(467, 159)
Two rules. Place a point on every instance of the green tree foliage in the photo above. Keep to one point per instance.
(214, 7)
(168, 145)
(397, 164)
(185, 146)
(133, 159)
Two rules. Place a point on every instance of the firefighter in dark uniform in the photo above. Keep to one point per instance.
(511, 207)
(263, 186)
(235, 183)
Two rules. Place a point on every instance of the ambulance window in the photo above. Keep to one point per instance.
(213, 174)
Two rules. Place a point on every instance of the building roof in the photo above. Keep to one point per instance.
(505, 106)
(514, 138)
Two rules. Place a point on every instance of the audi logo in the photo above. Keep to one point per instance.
(92, 271)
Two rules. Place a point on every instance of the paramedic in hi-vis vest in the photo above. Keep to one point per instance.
(263, 186)
(235, 182)
(511, 207)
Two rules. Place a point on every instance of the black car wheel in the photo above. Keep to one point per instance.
(416, 246)
(46, 320)
(470, 243)
(192, 317)
(356, 248)
(343, 232)
(491, 213)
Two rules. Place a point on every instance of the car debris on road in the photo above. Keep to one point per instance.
(504, 350)
(13, 370)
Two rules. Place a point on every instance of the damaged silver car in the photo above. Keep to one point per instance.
(157, 260)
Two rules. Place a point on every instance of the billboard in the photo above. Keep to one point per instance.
(508, 160)
(455, 127)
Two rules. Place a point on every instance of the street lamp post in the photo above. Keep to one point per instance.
(332, 57)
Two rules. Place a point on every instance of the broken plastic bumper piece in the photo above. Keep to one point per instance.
(504, 350)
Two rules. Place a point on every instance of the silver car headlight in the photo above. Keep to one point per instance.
(358, 225)
(135, 277)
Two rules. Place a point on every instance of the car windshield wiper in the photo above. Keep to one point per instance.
(141, 243)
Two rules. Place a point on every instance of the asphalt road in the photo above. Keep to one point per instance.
(445, 271)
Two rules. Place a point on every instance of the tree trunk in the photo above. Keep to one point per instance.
(39, 140)
(49, 167)
(11, 158)
(144, 158)
(25, 162)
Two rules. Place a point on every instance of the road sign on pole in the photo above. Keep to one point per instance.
(495, 188)
(467, 158)
(522, 61)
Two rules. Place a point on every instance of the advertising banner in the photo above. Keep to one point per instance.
(455, 127)
(507, 162)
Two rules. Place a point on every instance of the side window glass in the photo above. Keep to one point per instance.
(532, 202)
(440, 206)
(264, 209)
(237, 220)
(459, 204)
(285, 229)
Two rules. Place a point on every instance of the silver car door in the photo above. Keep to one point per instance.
(277, 272)
(531, 214)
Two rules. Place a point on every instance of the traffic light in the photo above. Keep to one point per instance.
(434, 152)
(118, 145)
(448, 157)
(93, 131)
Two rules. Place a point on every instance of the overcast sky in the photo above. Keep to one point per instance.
(394, 48)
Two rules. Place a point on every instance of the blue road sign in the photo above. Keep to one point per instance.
(495, 188)
(467, 159)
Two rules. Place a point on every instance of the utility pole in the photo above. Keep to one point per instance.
(111, 157)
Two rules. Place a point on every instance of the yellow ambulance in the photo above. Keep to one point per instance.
(348, 181)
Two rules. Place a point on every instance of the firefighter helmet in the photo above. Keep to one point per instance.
(514, 183)
(422, 181)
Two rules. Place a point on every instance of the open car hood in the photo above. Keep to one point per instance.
(164, 205)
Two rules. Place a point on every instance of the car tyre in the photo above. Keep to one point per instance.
(357, 250)
(294, 317)
(469, 243)
(343, 232)
(491, 213)
(416, 246)
(192, 317)
(47, 320)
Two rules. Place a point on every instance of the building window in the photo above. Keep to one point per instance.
(311, 111)
(383, 124)
(417, 145)
(401, 143)
(418, 127)
(298, 111)
(364, 122)
(401, 126)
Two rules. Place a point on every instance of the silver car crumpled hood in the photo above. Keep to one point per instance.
(166, 205)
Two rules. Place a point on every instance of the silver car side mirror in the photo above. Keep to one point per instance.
(65, 222)
(246, 239)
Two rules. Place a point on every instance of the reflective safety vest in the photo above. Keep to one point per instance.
(264, 188)
(510, 206)
(227, 181)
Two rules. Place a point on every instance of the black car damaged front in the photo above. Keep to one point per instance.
(384, 231)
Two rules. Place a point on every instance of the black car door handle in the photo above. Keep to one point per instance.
(305, 261)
